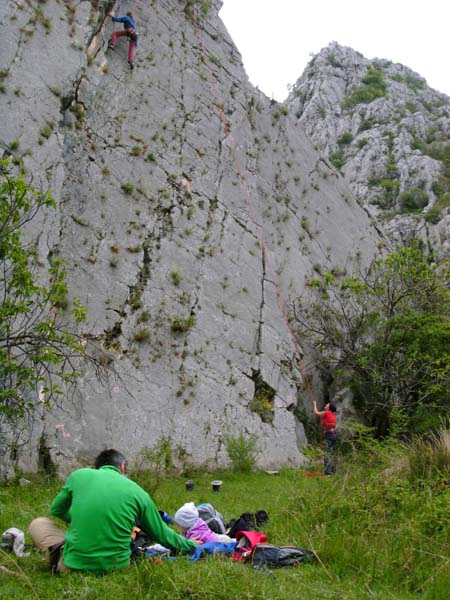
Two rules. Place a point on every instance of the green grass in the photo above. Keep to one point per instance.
(379, 534)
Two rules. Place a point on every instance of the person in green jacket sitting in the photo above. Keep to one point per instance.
(101, 506)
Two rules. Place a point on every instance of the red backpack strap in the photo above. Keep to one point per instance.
(255, 537)
(247, 540)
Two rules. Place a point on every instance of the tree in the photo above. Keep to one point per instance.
(387, 330)
(40, 350)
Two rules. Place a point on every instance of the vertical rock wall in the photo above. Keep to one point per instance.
(164, 177)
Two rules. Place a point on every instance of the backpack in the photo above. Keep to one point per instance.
(267, 555)
(140, 541)
(247, 540)
(248, 522)
(212, 518)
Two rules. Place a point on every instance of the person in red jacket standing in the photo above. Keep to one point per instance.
(328, 424)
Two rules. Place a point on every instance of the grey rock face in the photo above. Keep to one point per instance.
(387, 132)
(187, 201)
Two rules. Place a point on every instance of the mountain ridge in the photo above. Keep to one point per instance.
(388, 133)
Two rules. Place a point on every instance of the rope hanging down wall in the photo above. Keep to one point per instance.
(250, 207)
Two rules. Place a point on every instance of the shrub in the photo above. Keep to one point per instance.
(345, 138)
(413, 199)
(434, 215)
(152, 464)
(242, 452)
(262, 401)
(374, 86)
(189, 8)
(366, 124)
(46, 131)
(141, 335)
(337, 159)
(176, 278)
(127, 188)
(144, 317)
(429, 459)
(389, 188)
(414, 83)
(78, 110)
(215, 60)
(182, 325)
(411, 107)
(332, 60)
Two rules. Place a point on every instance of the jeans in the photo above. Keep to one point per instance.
(329, 458)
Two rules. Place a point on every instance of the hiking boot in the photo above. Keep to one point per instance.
(131, 64)
(261, 517)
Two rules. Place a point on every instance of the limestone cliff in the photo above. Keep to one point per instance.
(388, 133)
(185, 197)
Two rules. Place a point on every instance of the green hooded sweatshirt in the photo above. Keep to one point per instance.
(102, 506)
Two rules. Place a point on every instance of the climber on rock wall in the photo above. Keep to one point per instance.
(130, 31)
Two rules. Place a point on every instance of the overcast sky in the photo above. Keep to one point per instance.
(277, 37)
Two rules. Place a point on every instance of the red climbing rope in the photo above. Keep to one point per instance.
(259, 233)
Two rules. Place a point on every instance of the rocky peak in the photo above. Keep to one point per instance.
(387, 132)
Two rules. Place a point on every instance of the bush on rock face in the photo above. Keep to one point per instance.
(413, 199)
(374, 86)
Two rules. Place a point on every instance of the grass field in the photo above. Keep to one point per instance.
(379, 534)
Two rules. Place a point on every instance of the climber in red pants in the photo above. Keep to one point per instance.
(130, 31)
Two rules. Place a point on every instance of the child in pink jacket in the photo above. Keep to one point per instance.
(194, 528)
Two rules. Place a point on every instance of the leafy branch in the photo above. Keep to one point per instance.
(386, 330)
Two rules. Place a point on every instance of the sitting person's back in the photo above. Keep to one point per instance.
(101, 507)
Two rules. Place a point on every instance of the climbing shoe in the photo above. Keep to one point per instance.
(110, 45)
(131, 64)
